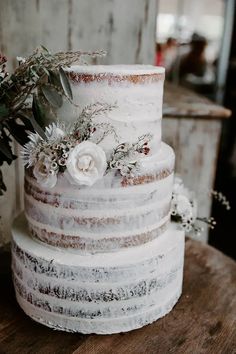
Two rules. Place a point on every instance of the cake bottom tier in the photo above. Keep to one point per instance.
(102, 293)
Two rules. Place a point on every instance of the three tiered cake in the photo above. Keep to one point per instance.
(95, 251)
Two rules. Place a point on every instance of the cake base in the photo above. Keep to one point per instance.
(102, 293)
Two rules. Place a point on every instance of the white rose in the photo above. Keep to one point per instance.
(42, 171)
(86, 164)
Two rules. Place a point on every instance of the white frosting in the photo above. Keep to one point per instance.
(107, 326)
(138, 105)
(119, 69)
(122, 262)
(164, 159)
(102, 293)
(106, 216)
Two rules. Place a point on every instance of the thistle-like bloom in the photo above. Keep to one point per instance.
(30, 151)
(54, 132)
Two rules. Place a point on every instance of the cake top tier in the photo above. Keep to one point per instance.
(134, 91)
(121, 73)
(118, 69)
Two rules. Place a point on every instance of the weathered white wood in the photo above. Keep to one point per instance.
(126, 29)
(195, 142)
(192, 125)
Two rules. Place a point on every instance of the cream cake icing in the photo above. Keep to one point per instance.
(104, 258)
(107, 216)
(136, 92)
(118, 69)
(102, 293)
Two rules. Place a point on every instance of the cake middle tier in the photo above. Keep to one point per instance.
(114, 213)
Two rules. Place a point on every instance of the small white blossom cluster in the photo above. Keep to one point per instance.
(209, 221)
(183, 206)
(124, 157)
(220, 197)
(67, 150)
(48, 156)
(21, 60)
(83, 161)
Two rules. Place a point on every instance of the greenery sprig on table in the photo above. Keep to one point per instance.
(37, 85)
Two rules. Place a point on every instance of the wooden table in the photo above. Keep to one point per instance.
(203, 321)
(192, 126)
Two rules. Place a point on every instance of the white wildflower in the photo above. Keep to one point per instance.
(183, 206)
(20, 60)
(44, 171)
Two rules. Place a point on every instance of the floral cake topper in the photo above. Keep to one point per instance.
(75, 151)
(36, 87)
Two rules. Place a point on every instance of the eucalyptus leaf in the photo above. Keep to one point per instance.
(26, 121)
(32, 125)
(51, 95)
(4, 111)
(2, 184)
(44, 48)
(18, 105)
(37, 119)
(34, 73)
(46, 71)
(65, 83)
(54, 78)
(37, 111)
(6, 149)
(37, 128)
(18, 131)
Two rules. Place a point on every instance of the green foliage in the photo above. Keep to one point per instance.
(52, 95)
(38, 83)
(65, 83)
(2, 184)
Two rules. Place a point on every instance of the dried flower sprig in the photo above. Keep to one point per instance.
(54, 146)
(85, 127)
(60, 139)
(211, 222)
(124, 157)
(184, 208)
(35, 87)
(42, 58)
(68, 58)
(56, 153)
(221, 198)
(3, 72)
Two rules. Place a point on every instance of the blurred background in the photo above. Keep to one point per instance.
(190, 42)
(193, 39)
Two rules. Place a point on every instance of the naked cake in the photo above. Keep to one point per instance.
(95, 251)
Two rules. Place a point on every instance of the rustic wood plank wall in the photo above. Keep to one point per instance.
(196, 143)
(126, 29)
(192, 126)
